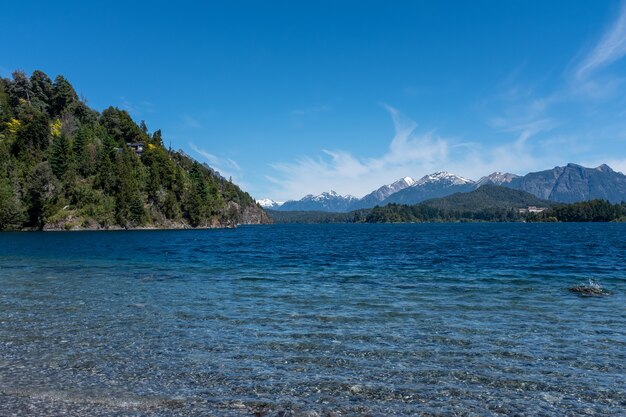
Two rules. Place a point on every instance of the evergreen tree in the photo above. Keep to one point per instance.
(34, 132)
(63, 96)
(42, 90)
(42, 195)
(11, 212)
(19, 89)
(61, 156)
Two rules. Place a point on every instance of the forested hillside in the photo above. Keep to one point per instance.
(64, 165)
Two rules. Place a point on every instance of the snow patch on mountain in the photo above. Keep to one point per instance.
(268, 203)
(443, 177)
(497, 178)
(326, 201)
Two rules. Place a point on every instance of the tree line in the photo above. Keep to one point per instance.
(587, 211)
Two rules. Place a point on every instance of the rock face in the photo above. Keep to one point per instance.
(573, 183)
(327, 201)
(254, 214)
(438, 184)
(376, 197)
(232, 215)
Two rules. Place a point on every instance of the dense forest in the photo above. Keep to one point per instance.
(433, 211)
(64, 165)
(587, 211)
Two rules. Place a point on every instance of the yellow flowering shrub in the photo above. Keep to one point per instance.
(14, 125)
(55, 128)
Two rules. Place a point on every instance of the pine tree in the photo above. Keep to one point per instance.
(61, 156)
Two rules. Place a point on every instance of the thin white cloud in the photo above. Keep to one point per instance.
(227, 167)
(310, 110)
(137, 109)
(524, 129)
(610, 48)
(190, 122)
(410, 152)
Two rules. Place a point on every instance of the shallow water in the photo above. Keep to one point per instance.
(380, 320)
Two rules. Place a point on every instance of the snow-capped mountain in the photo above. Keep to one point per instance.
(443, 178)
(327, 201)
(406, 190)
(376, 197)
(438, 184)
(268, 203)
(496, 178)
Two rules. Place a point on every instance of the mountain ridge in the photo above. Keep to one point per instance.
(567, 184)
(574, 183)
(326, 201)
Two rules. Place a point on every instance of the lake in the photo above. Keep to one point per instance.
(314, 320)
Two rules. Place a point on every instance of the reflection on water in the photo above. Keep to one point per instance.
(314, 320)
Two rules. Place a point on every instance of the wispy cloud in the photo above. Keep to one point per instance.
(524, 129)
(410, 152)
(227, 167)
(137, 109)
(310, 110)
(190, 122)
(610, 48)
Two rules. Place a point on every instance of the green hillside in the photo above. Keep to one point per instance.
(487, 203)
(64, 165)
(488, 197)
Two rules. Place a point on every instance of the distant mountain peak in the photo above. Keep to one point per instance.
(496, 178)
(377, 196)
(332, 194)
(443, 177)
(268, 203)
(326, 201)
(573, 165)
(604, 168)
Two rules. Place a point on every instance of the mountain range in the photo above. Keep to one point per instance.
(567, 184)
(327, 201)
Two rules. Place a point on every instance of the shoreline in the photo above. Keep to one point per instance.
(235, 226)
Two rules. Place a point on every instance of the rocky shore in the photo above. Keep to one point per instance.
(230, 217)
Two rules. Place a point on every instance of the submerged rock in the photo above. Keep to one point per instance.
(593, 289)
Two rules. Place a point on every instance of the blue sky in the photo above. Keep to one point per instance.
(291, 98)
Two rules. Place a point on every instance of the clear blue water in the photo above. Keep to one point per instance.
(314, 320)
